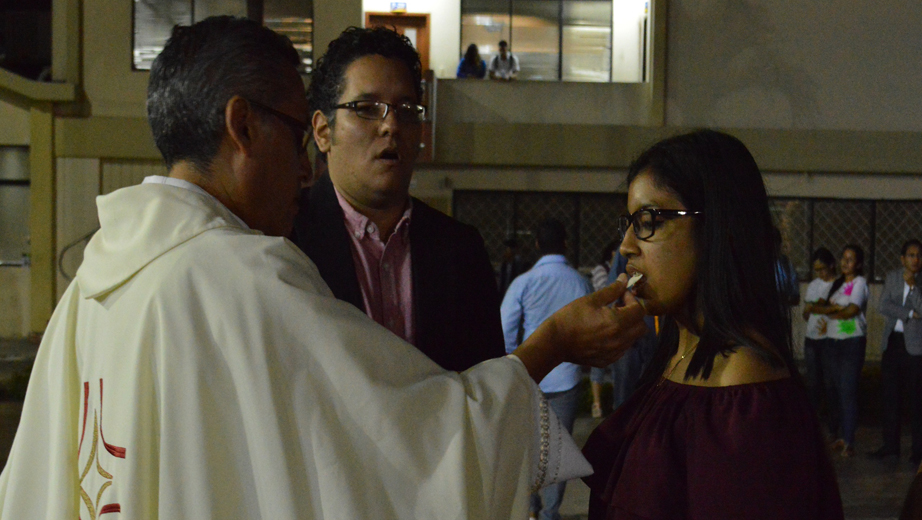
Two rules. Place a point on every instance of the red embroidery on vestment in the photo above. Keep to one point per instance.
(111, 508)
(93, 507)
(114, 450)
(86, 400)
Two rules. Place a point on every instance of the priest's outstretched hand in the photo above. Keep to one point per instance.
(588, 331)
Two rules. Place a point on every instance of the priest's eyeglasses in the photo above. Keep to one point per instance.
(302, 131)
(647, 220)
(378, 110)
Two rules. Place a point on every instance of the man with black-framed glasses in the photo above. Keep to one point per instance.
(421, 274)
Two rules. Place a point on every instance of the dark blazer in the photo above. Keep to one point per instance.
(892, 307)
(455, 300)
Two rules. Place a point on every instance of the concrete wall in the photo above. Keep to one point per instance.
(844, 65)
(14, 281)
(331, 17)
(543, 102)
(14, 131)
(112, 88)
(14, 302)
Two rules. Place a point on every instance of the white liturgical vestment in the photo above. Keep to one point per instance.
(199, 370)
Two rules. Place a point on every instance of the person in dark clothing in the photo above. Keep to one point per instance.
(419, 273)
(901, 363)
(472, 65)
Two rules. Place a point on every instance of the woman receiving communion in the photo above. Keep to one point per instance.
(720, 426)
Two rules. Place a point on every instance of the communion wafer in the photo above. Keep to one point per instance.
(634, 279)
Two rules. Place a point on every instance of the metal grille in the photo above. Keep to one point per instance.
(598, 224)
(492, 212)
(533, 207)
(591, 220)
(837, 223)
(895, 223)
(880, 228)
(792, 217)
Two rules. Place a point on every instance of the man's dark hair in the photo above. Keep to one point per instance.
(328, 78)
(503, 43)
(552, 237)
(824, 256)
(909, 243)
(201, 67)
(736, 292)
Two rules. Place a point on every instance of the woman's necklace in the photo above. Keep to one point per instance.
(688, 351)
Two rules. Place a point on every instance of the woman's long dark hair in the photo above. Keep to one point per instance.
(472, 56)
(824, 256)
(735, 294)
(473, 63)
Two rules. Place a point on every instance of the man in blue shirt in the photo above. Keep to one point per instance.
(531, 298)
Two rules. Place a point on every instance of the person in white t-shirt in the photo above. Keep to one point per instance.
(816, 343)
(504, 65)
(847, 328)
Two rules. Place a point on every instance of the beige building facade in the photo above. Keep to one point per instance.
(826, 97)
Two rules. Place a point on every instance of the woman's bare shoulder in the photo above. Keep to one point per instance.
(745, 365)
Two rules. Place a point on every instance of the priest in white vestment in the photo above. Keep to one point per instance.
(199, 368)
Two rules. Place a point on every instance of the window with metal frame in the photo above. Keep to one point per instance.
(563, 40)
(154, 21)
(14, 206)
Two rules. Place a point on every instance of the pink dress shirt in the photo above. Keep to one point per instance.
(383, 269)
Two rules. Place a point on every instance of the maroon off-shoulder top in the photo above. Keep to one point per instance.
(676, 451)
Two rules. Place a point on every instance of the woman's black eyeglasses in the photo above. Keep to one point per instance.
(646, 220)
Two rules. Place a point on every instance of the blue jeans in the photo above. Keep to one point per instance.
(564, 405)
(847, 358)
(819, 380)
